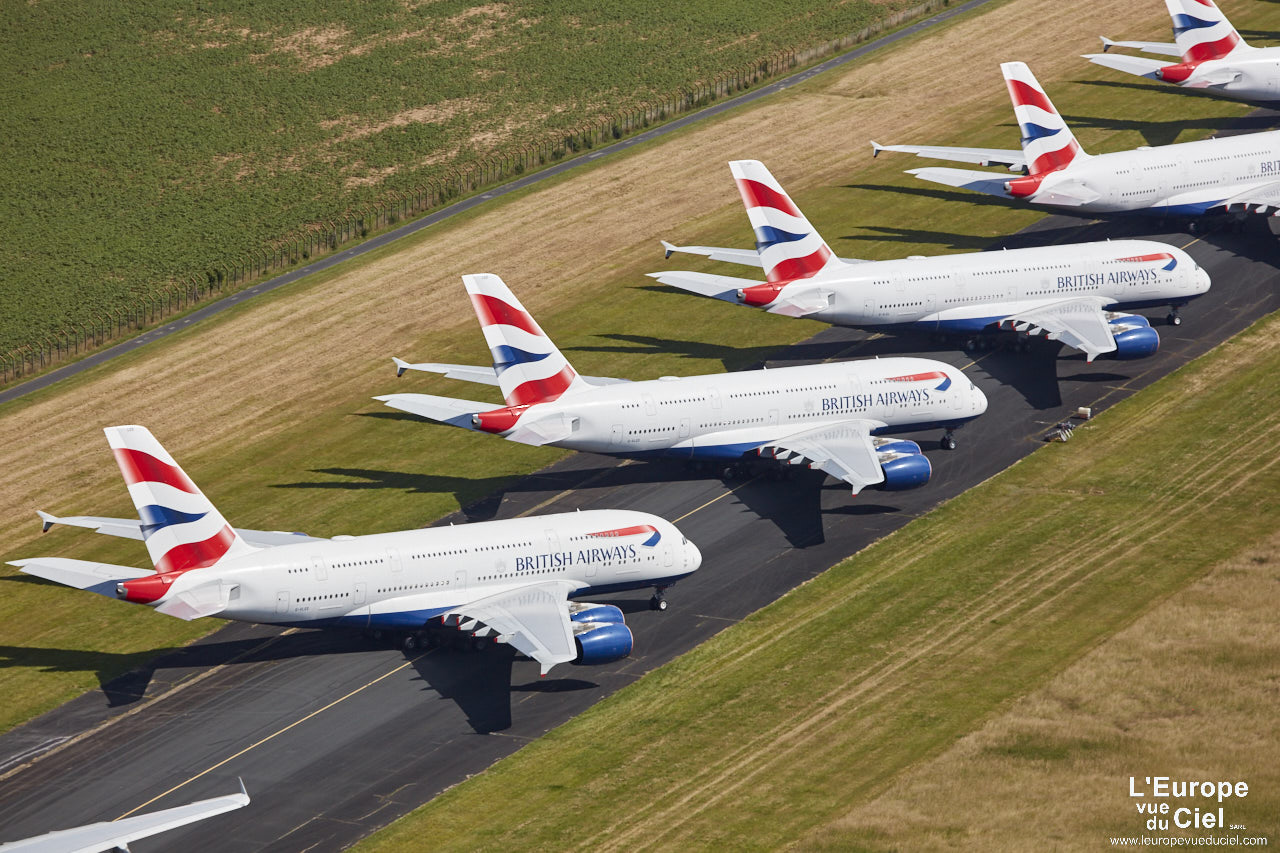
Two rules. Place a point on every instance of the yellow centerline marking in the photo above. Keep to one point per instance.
(273, 735)
(1192, 243)
(716, 498)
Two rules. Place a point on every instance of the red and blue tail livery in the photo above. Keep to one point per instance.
(1048, 143)
(529, 367)
(790, 248)
(181, 527)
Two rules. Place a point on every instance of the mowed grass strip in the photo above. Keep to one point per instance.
(268, 405)
(816, 703)
(1187, 691)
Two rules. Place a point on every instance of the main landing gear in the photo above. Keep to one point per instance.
(948, 441)
(659, 600)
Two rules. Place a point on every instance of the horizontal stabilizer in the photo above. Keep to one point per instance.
(445, 410)
(81, 574)
(1135, 65)
(464, 372)
(1160, 47)
(131, 528)
(981, 156)
(722, 287)
(747, 257)
(982, 182)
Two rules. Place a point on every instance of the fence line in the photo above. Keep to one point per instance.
(323, 237)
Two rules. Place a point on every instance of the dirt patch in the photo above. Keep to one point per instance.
(437, 113)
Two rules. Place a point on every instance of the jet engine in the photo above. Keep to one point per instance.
(601, 642)
(601, 613)
(905, 466)
(1134, 337)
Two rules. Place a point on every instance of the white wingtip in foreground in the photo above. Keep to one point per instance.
(116, 835)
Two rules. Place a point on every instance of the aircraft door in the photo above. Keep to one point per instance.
(684, 428)
(930, 303)
(357, 597)
(668, 555)
(713, 394)
(553, 540)
(459, 581)
(773, 417)
(393, 560)
(282, 602)
(650, 407)
(319, 568)
(616, 438)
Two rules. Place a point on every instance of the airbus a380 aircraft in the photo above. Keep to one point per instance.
(1214, 56)
(1234, 173)
(1070, 293)
(510, 578)
(833, 416)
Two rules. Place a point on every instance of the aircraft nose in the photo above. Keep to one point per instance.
(979, 401)
(1202, 280)
(693, 557)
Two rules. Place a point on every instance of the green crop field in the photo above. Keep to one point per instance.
(149, 141)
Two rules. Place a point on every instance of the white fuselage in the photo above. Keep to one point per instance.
(967, 293)
(1258, 71)
(402, 579)
(1184, 179)
(722, 416)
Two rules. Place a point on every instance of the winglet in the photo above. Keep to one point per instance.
(669, 248)
(1107, 43)
(47, 520)
(876, 148)
(401, 366)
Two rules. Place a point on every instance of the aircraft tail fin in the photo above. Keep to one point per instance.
(1048, 143)
(789, 247)
(1201, 31)
(530, 368)
(181, 527)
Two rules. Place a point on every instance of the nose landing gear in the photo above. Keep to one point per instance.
(659, 600)
(948, 441)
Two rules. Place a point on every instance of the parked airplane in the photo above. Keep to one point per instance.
(833, 416)
(1214, 56)
(1235, 173)
(115, 835)
(511, 578)
(1069, 293)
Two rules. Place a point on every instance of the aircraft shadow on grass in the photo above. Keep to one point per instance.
(943, 239)
(733, 358)
(1167, 132)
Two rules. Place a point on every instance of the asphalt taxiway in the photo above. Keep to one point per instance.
(336, 737)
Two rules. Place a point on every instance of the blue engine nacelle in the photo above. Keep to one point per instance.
(1136, 343)
(899, 445)
(1131, 320)
(605, 614)
(906, 472)
(603, 644)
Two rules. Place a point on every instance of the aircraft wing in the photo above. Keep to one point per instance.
(1162, 48)
(131, 528)
(983, 182)
(1137, 65)
(534, 619)
(81, 574)
(844, 449)
(1261, 198)
(116, 835)
(982, 156)
(747, 257)
(1079, 323)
